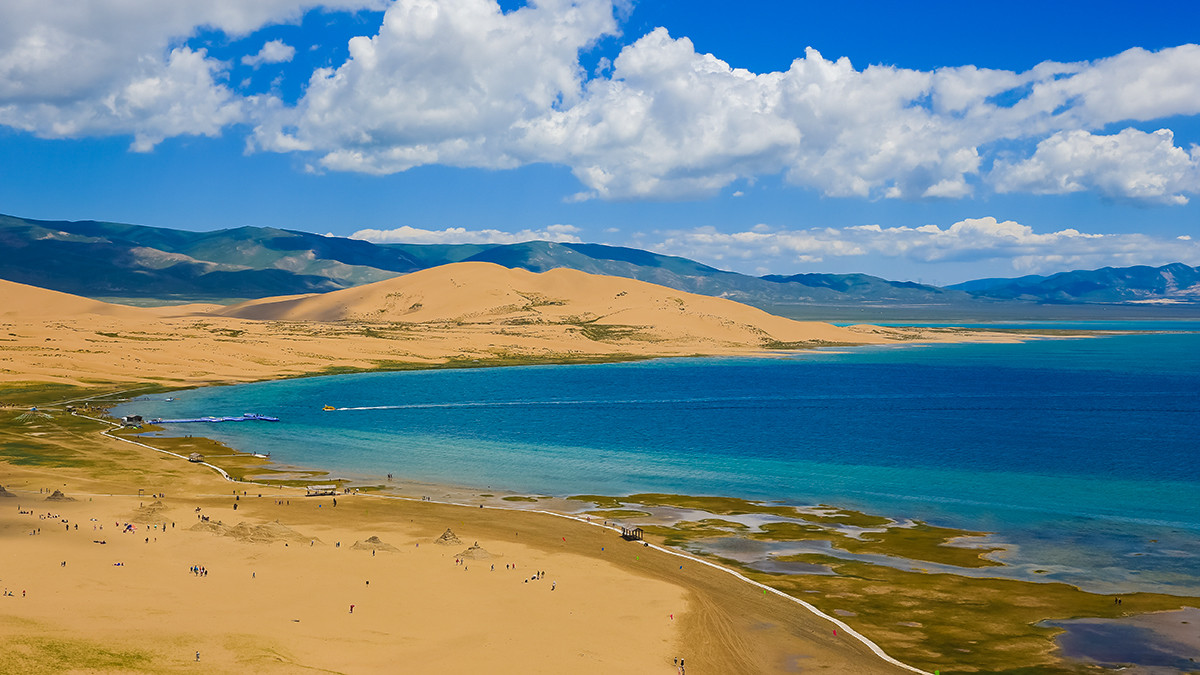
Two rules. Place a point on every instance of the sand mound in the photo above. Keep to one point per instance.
(58, 496)
(269, 532)
(374, 544)
(476, 552)
(149, 513)
(5, 493)
(448, 537)
(213, 526)
(257, 534)
(30, 301)
(604, 308)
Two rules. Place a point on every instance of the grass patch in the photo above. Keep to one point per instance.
(965, 624)
(495, 361)
(779, 345)
(617, 514)
(43, 393)
(921, 542)
(609, 332)
(21, 654)
(721, 506)
(681, 533)
(793, 532)
(519, 498)
(835, 516)
(601, 502)
(140, 337)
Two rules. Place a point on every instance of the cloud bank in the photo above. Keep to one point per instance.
(461, 235)
(982, 241)
(119, 67)
(462, 83)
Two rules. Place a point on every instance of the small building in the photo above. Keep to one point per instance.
(132, 420)
(631, 533)
(321, 490)
(196, 457)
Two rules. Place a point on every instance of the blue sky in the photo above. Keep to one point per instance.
(937, 142)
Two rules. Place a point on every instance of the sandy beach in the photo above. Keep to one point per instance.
(281, 571)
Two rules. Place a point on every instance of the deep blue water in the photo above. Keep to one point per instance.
(1080, 452)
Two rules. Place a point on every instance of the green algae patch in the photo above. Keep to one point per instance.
(789, 531)
(617, 514)
(601, 502)
(719, 506)
(923, 542)
(519, 498)
(919, 541)
(830, 515)
(686, 531)
(954, 623)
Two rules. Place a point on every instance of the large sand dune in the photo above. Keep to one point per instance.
(487, 294)
(22, 302)
(465, 313)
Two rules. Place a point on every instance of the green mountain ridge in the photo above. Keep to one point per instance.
(114, 260)
(1175, 282)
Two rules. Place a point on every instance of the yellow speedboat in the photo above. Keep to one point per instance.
(328, 408)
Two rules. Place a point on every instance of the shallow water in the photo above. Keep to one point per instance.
(1168, 640)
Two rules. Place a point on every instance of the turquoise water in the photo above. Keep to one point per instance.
(1081, 454)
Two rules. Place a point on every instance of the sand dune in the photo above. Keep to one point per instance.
(22, 302)
(468, 313)
(485, 293)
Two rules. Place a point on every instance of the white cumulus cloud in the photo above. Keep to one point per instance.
(1131, 165)
(109, 67)
(459, 82)
(275, 51)
(969, 241)
(442, 82)
(461, 235)
(463, 83)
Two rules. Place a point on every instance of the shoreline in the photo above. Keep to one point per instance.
(875, 648)
(507, 512)
(529, 523)
(468, 490)
(470, 497)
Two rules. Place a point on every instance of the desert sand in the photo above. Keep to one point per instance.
(283, 570)
(465, 314)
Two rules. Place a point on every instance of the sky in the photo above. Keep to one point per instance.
(935, 141)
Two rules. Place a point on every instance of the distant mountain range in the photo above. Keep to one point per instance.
(112, 260)
(1176, 283)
